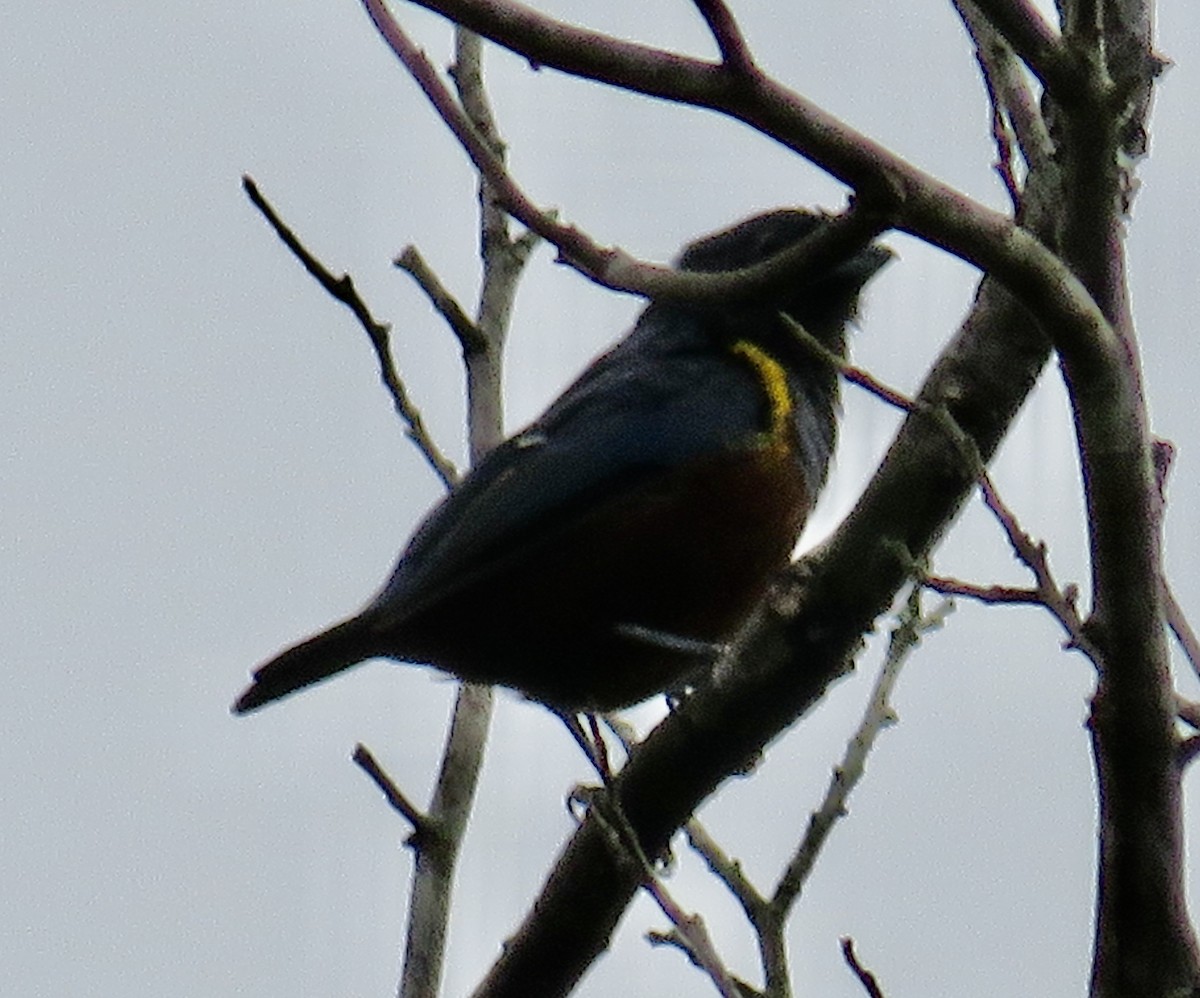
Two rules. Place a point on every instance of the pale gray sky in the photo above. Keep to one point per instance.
(197, 466)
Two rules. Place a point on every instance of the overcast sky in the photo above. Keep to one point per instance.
(198, 465)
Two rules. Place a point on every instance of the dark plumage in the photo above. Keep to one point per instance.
(605, 552)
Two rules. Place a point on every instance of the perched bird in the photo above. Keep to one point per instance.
(605, 553)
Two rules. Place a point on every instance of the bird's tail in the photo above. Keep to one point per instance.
(308, 662)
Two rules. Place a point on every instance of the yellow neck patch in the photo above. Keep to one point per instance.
(775, 384)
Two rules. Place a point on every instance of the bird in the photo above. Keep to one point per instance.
(610, 550)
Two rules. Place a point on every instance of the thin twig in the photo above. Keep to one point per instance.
(865, 977)
(727, 870)
(1061, 602)
(878, 715)
(947, 586)
(590, 740)
(990, 49)
(855, 375)
(447, 306)
(690, 935)
(1163, 454)
(609, 266)
(502, 256)
(1040, 47)
(1181, 628)
(1013, 101)
(343, 290)
(889, 191)
(735, 53)
(768, 916)
(395, 796)
(693, 936)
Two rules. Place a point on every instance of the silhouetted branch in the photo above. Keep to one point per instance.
(735, 53)
(343, 289)
(865, 977)
(366, 761)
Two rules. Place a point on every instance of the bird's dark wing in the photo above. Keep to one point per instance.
(649, 404)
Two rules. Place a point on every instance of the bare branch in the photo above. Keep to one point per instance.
(447, 306)
(367, 762)
(1163, 453)
(855, 375)
(865, 977)
(947, 586)
(343, 289)
(1181, 628)
(692, 935)
(436, 860)
(766, 918)
(1060, 602)
(1015, 110)
(608, 266)
(989, 49)
(846, 776)
(735, 53)
(503, 257)
(1040, 47)
(1009, 87)
(727, 870)
(889, 188)
(482, 342)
